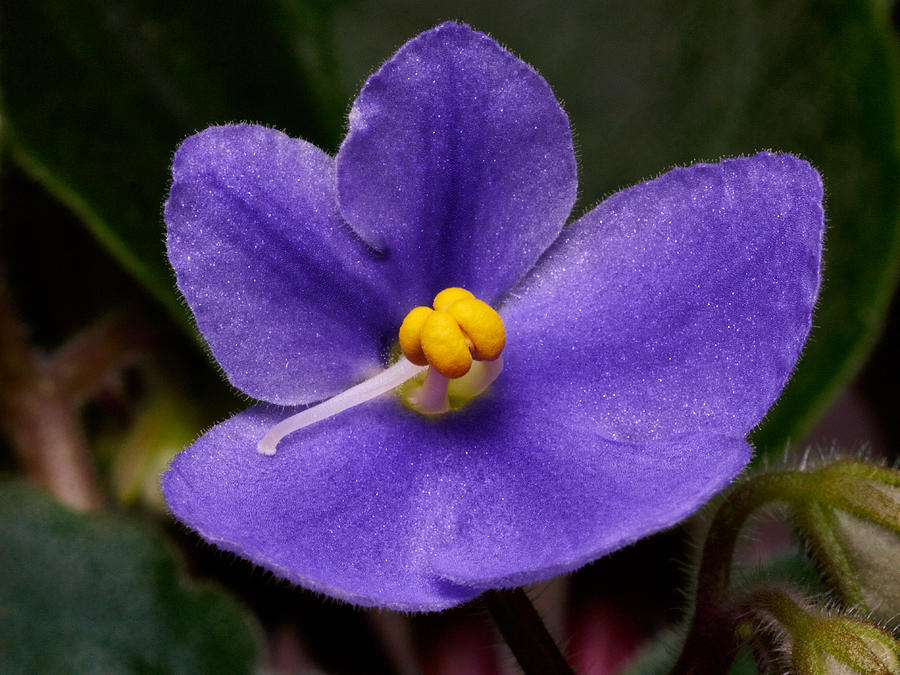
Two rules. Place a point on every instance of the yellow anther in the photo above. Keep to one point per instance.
(448, 296)
(411, 335)
(459, 329)
(445, 345)
(482, 325)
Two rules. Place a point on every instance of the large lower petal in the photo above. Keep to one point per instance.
(288, 298)
(679, 304)
(458, 165)
(381, 506)
(548, 505)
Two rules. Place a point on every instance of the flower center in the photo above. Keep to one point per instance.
(461, 339)
(459, 329)
(458, 339)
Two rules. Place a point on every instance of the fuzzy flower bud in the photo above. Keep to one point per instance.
(852, 524)
(843, 644)
(815, 641)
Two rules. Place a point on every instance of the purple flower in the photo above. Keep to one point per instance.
(644, 341)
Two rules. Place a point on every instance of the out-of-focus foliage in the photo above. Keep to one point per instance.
(100, 593)
(99, 94)
(166, 424)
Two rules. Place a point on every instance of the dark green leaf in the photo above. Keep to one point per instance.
(98, 94)
(651, 84)
(100, 594)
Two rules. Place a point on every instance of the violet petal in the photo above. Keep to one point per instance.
(346, 506)
(558, 499)
(458, 165)
(381, 506)
(288, 298)
(676, 305)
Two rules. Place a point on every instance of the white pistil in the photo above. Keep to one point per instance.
(432, 398)
(375, 386)
(435, 395)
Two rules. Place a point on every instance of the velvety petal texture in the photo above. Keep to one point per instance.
(287, 296)
(458, 164)
(646, 342)
(382, 506)
(677, 305)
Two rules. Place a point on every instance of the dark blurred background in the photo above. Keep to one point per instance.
(97, 95)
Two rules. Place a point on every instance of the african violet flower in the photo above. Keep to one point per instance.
(643, 341)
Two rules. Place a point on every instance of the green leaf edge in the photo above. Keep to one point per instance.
(26, 160)
(762, 437)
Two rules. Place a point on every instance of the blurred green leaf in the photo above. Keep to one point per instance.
(659, 654)
(171, 415)
(95, 593)
(97, 95)
(166, 424)
(648, 85)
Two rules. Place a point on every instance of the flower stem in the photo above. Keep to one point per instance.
(44, 433)
(711, 644)
(525, 633)
(87, 359)
(41, 396)
(781, 606)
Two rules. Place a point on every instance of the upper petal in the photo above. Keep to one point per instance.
(458, 165)
(679, 304)
(288, 298)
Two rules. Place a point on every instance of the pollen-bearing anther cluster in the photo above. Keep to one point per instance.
(459, 329)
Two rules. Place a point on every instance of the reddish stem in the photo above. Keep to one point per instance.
(40, 399)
